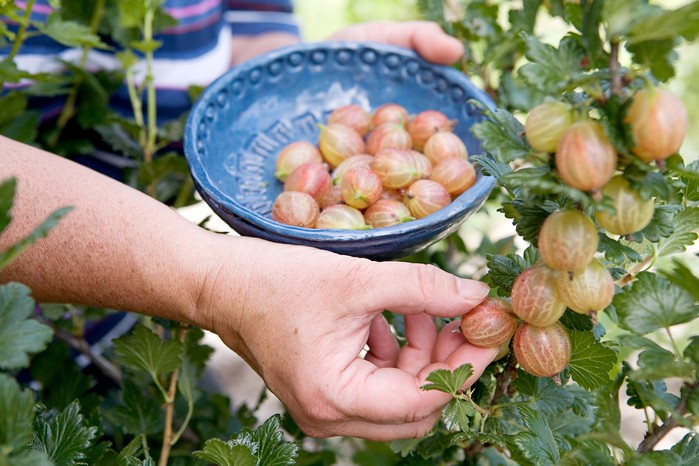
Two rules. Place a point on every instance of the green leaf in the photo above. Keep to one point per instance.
(13, 104)
(667, 24)
(659, 56)
(691, 352)
(550, 69)
(616, 252)
(70, 33)
(655, 458)
(619, 16)
(9, 73)
(688, 450)
(139, 412)
(588, 455)
(537, 442)
(431, 10)
(16, 415)
(660, 225)
(658, 363)
(269, 448)
(64, 436)
(590, 361)
(456, 414)
(504, 270)
(447, 381)
(490, 166)
(543, 393)
(226, 453)
(20, 335)
(28, 458)
(501, 135)
(643, 394)
(652, 303)
(686, 225)
(144, 350)
(575, 321)
(690, 176)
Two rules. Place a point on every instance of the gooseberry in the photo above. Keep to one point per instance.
(542, 351)
(658, 120)
(338, 142)
(632, 213)
(360, 187)
(590, 289)
(342, 216)
(295, 208)
(567, 240)
(425, 124)
(490, 324)
(585, 159)
(294, 154)
(546, 123)
(424, 197)
(386, 213)
(353, 116)
(535, 297)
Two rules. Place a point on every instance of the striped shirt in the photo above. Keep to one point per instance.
(195, 51)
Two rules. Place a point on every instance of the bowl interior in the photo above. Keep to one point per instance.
(242, 120)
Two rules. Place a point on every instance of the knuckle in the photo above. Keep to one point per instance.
(425, 278)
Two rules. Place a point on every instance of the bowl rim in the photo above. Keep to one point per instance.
(474, 196)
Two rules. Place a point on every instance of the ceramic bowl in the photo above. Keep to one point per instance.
(242, 120)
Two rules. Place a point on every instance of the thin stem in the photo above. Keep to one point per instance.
(149, 147)
(675, 346)
(168, 438)
(615, 68)
(80, 345)
(68, 110)
(635, 270)
(19, 38)
(652, 438)
(144, 444)
(649, 423)
(476, 406)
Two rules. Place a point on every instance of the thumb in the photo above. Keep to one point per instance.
(408, 288)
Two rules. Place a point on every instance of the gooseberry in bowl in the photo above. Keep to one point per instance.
(241, 122)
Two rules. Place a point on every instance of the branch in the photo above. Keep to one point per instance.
(80, 345)
(614, 68)
(652, 438)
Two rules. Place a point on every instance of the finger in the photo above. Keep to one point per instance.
(429, 40)
(386, 395)
(449, 339)
(377, 432)
(383, 346)
(421, 332)
(410, 288)
(478, 357)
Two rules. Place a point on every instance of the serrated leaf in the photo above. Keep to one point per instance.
(643, 394)
(620, 15)
(10, 73)
(16, 415)
(658, 363)
(537, 442)
(551, 69)
(138, 413)
(501, 135)
(686, 224)
(691, 351)
(590, 361)
(271, 449)
(144, 350)
(652, 303)
(226, 453)
(660, 225)
(576, 321)
(548, 397)
(64, 436)
(616, 252)
(456, 415)
(688, 450)
(659, 56)
(20, 335)
(70, 33)
(503, 270)
(490, 166)
(448, 381)
(690, 176)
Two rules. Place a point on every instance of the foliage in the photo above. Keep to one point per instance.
(145, 404)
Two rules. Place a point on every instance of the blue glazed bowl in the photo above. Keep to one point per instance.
(243, 119)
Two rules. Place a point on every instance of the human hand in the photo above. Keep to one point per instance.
(425, 37)
(304, 315)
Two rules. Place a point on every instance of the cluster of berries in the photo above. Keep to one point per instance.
(569, 275)
(372, 170)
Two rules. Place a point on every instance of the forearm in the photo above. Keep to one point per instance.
(118, 248)
(247, 47)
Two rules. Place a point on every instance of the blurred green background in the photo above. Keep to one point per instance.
(320, 18)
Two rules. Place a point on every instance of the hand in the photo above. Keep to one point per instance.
(425, 37)
(305, 315)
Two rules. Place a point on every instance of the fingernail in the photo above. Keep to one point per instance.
(473, 291)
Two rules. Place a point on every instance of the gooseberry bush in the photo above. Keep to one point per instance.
(595, 294)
